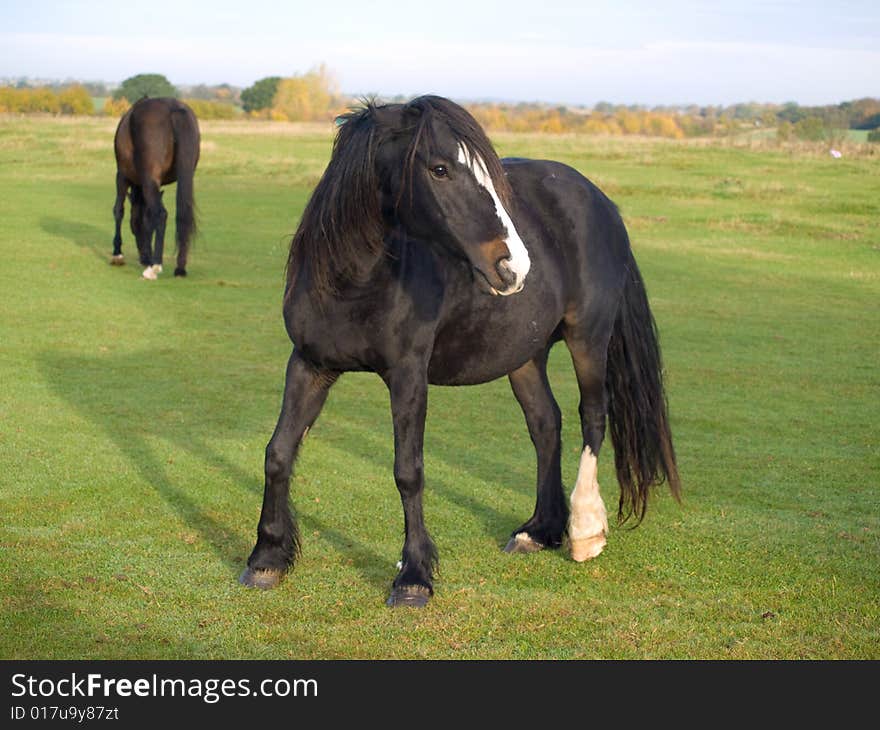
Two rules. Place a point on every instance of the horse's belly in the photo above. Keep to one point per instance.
(468, 353)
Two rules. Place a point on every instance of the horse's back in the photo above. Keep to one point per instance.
(566, 201)
(578, 220)
(124, 149)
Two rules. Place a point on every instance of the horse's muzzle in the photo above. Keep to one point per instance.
(496, 269)
(513, 283)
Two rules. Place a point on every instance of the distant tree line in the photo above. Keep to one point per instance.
(790, 120)
(315, 96)
(560, 119)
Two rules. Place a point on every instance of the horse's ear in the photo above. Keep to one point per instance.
(410, 118)
(395, 118)
(386, 117)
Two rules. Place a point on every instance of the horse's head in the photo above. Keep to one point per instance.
(442, 181)
(425, 166)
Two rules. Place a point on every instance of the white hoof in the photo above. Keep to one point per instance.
(588, 522)
(117, 260)
(587, 530)
(150, 273)
(585, 548)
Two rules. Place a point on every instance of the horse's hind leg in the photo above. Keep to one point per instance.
(546, 527)
(117, 259)
(138, 224)
(588, 524)
(161, 220)
(305, 390)
(155, 216)
(180, 269)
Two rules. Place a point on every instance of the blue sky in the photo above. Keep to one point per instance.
(672, 52)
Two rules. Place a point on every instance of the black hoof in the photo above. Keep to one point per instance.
(522, 543)
(179, 272)
(415, 596)
(264, 579)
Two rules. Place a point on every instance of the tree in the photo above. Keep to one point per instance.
(260, 95)
(311, 96)
(152, 85)
(791, 112)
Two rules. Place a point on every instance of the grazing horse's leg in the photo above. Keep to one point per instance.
(546, 527)
(413, 585)
(305, 390)
(588, 525)
(117, 259)
(137, 220)
(154, 217)
(160, 233)
(182, 251)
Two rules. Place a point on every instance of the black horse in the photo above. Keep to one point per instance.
(156, 143)
(424, 258)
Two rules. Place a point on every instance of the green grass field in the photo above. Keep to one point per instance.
(134, 414)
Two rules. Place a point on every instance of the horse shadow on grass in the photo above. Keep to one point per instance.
(357, 434)
(139, 399)
(83, 235)
(132, 415)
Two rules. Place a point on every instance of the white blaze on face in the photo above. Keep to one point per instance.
(519, 263)
(588, 523)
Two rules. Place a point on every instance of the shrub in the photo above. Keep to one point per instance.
(784, 131)
(42, 99)
(76, 100)
(811, 129)
(204, 109)
(116, 107)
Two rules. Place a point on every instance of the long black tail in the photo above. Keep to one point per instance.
(186, 140)
(637, 409)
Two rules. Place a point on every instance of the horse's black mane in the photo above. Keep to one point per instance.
(342, 229)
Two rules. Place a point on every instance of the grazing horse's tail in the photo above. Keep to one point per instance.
(637, 409)
(186, 151)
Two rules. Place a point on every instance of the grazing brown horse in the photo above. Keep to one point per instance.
(156, 143)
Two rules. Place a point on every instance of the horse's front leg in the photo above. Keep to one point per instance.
(413, 585)
(305, 391)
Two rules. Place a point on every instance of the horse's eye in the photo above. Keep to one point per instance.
(439, 171)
